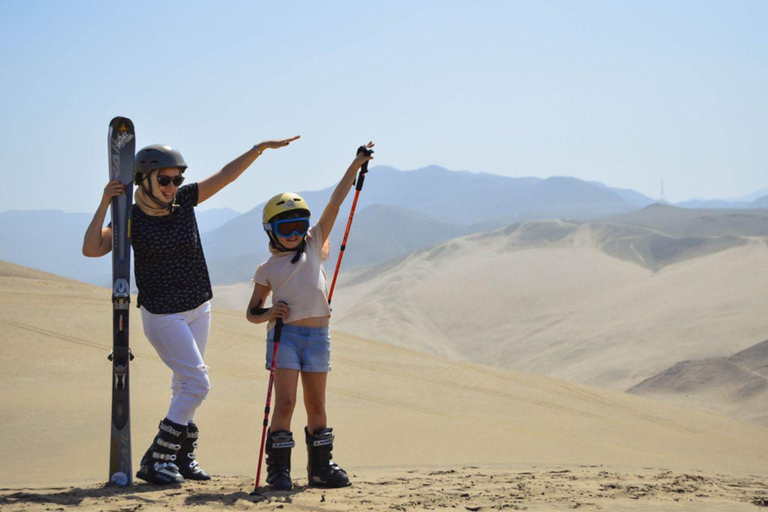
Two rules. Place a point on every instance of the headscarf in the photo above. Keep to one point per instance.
(150, 199)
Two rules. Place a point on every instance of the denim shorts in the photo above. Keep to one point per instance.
(307, 349)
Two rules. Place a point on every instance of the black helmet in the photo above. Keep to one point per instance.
(157, 156)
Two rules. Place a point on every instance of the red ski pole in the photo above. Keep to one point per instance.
(358, 188)
(278, 331)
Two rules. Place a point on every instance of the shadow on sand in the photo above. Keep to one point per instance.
(229, 499)
(142, 494)
(73, 496)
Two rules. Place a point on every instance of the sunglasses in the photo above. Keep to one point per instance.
(286, 228)
(164, 180)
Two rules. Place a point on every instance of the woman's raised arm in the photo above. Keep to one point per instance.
(211, 185)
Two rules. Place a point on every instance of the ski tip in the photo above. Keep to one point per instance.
(121, 123)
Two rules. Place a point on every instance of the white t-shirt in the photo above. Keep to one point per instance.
(303, 285)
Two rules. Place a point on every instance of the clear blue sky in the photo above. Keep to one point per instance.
(627, 93)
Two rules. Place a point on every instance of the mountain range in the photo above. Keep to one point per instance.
(399, 212)
(51, 241)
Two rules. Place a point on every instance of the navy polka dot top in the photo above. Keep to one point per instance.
(170, 269)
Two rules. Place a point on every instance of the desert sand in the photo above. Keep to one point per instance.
(600, 303)
(415, 431)
(565, 308)
(466, 487)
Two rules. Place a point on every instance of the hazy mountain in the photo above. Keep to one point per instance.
(52, 241)
(686, 222)
(457, 197)
(416, 209)
(633, 197)
(641, 201)
(749, 201)
(208, 220)
(713, 203)
(753, 196)
(467, 198)
(413, 209)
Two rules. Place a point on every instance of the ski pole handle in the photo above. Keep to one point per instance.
(278, 329)
(364, 168)
(279, 326)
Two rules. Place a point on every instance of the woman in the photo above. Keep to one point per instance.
(174, 290)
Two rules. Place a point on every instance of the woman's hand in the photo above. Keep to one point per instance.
(279, 310)
(113, 189)
(274, 144)
(211, 185)
(97, 240)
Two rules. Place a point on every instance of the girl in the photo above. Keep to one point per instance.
(174, 290)
(295, 276)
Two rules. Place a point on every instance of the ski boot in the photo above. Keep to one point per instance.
(321, 470)
(188, 466)
(157, 465)
(278, 450)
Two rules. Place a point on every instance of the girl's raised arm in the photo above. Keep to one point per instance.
(328, 219)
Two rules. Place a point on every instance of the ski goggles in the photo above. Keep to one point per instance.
(286, 228)
(164, 180)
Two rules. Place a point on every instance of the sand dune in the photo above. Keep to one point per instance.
(406, 422)
(645, 246)
(735, 385)
(572, 312)
(604, 303)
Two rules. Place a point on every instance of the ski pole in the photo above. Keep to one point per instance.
(358, 188)
(276, 338)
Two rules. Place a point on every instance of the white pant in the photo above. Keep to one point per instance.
(180, 340)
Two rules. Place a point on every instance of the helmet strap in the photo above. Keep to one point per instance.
(299, 251)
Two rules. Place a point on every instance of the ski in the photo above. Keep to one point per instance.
(122, 149)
